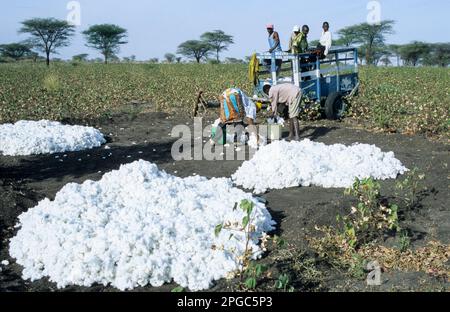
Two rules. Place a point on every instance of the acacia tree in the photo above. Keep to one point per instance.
(414, 52)
(371, 36)
(439, 55)
(106, 38)
(170, 57)
(194, 49)
(48, 34)
(15, 51)
(80, 57)
(347, 37)
(218, 40)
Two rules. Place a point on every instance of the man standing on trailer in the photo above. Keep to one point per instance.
(303, 42)
(274, 46)
(295, 40)
(285, 100)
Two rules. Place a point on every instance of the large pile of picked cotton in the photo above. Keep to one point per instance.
(288, 164)
(46, 137)
(137, 226)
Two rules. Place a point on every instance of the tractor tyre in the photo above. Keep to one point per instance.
(334, 106)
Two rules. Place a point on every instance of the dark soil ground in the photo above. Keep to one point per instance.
(26, 180)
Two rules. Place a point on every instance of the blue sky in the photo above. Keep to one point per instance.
(158, 26)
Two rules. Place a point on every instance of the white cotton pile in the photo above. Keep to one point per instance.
(288, 164)
(136, 226)
(256, 141)
(46, 137)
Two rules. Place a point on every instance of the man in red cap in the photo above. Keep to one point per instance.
(275, 45)
(274, 39)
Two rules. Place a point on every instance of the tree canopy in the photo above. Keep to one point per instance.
(107, 38)
(347, 37)
(80, 57)
(371, 36)
(15, 51)
(218, 40)
(439, 55)
(170, 57)
(194, 49)
(414, 52)
(48, 34)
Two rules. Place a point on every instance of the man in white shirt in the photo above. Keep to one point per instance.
(326, 39)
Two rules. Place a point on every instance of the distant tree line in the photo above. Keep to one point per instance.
(47, 35)
(373, 49)
(215, 42)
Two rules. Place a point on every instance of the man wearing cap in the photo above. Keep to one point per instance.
(274, 39)
(299, 40)
(295, 40)
(285, 100)
(274, 46)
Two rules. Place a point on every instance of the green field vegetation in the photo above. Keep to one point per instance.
(406, 99)
(411, 100)
(31, 91)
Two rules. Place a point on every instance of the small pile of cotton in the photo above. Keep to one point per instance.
(46, 137)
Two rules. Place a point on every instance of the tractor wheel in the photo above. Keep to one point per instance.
(334, 106)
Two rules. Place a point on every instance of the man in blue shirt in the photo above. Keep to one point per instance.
(274, 46)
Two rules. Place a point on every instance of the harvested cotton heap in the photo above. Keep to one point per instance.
(256, 141)
(284, 164)
(46, 137)
(136, 226)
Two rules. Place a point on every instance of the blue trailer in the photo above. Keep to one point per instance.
(325, 82)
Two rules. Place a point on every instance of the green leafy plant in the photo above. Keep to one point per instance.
(51, 83)
(367, 221)
(358, 266)
(410, 186)
(247, 269)
(404, 241)
(178, 289)
(252, 274)
(370, 216)
(282, 283)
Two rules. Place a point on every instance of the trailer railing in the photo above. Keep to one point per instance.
(337, 57)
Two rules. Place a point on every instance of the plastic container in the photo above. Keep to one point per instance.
(275, 132)
(215, 131)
